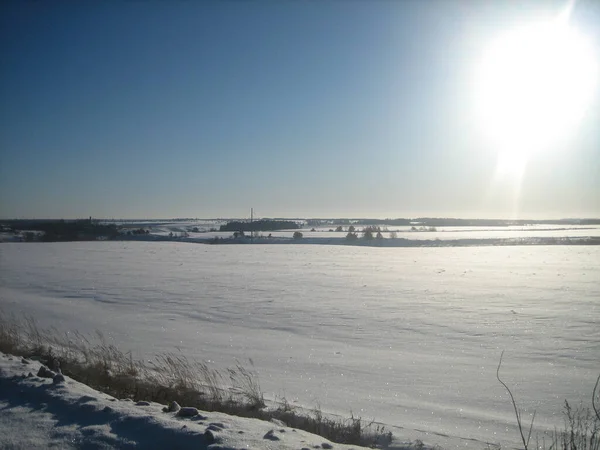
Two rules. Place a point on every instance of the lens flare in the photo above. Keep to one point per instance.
(533, 88)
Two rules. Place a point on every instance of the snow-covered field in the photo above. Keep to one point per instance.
(407, 336)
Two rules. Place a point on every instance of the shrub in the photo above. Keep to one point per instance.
(351, 236)
(298, 235)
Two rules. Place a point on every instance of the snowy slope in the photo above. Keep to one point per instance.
(36, 413)
(410, 337)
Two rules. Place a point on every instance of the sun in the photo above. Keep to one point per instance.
(532, 87)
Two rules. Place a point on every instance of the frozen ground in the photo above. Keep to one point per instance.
(408, 336)
(36, 413)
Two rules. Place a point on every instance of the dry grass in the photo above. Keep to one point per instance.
(172, 377)
(352, 430)
(581, 431)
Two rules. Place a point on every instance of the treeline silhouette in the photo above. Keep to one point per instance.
(66, 230)
(260, 225)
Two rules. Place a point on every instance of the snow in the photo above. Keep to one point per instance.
(410, 337)
(36, 413)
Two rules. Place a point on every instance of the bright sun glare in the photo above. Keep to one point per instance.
(532, 89)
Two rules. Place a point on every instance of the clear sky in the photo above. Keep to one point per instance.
(142, 109)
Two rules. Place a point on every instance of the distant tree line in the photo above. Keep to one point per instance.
(369, 233)
(336, 222)
(138, 232)
(260, 225)
(65, 230)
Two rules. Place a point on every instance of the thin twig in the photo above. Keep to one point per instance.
(517, 412)
(594, 395)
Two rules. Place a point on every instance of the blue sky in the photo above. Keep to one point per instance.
(298, 109)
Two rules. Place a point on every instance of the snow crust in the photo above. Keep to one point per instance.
(409, 337)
